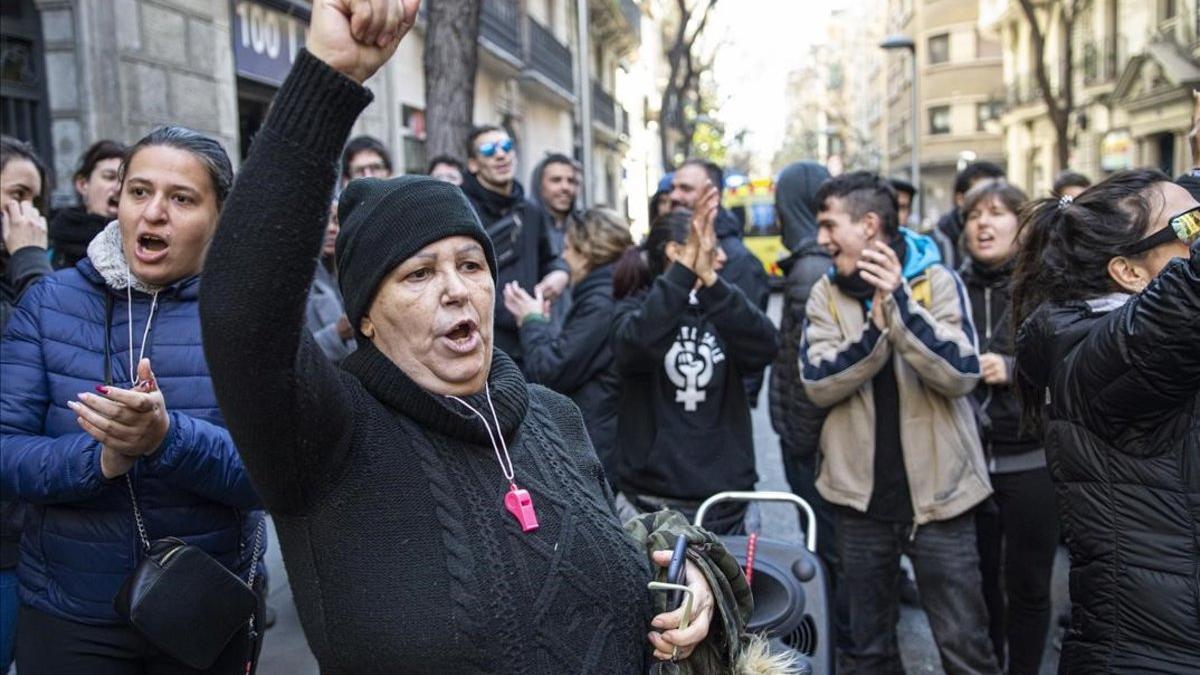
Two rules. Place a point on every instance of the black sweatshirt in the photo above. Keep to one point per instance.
(683, 429)
(387, 499)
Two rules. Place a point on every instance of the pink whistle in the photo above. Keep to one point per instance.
(520, 504)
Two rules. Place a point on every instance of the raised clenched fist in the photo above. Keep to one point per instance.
(356, 37)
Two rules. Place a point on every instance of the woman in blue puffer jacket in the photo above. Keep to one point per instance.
(74, 448)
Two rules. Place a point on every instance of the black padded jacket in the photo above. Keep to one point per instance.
(1122, 378)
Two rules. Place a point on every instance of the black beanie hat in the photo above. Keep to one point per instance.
(385, 222)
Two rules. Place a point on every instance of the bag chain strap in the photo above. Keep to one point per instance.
(137, 515)
(145, 539)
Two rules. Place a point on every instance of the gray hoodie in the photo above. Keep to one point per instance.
(794, 191)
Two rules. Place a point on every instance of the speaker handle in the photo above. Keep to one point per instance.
(810, 524)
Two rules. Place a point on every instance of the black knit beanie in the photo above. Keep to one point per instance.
(385, 222)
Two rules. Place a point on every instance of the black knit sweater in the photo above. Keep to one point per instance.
(388, 500)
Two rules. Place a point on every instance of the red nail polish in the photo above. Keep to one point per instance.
(102, 389)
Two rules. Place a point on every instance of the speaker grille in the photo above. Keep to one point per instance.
(804, 638)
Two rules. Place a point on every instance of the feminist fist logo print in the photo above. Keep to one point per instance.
(690, 363)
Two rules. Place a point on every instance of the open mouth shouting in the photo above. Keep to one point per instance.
(151, 248)
(111, 205)
(985, 240)
(462, 338)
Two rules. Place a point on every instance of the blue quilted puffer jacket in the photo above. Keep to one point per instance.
(80, 541)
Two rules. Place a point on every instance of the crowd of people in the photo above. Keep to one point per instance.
(480, 416)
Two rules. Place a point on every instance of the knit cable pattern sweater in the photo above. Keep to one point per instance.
(389, 500)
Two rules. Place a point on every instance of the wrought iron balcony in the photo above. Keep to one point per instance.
(549, 57)
(604, 108)
(500, 24)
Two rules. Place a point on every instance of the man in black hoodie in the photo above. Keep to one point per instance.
(519, 228)
(796, 419)
(742, 269)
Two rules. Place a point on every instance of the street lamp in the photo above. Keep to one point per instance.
(905, 42)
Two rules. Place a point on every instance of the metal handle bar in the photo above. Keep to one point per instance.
(810, 529)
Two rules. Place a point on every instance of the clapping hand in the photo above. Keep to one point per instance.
(520, 304)
(702, 239)
(552, 285)
(356, 37)
(128, 423)
(880, 267)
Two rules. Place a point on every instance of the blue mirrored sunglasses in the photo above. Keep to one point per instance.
(489, 149)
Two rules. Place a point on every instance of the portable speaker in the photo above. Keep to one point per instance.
(792, 603)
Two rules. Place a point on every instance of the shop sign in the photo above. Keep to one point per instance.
(1116, 151)
(265, 40)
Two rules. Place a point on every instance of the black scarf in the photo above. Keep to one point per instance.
(71, 230)
(857, 287)
(978, 274)
(493, 204)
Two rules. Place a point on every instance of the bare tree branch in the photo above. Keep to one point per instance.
(681, 92)
(1058, 107)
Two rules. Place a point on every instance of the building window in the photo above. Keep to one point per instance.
(24, 112)
(986, 112)
(939, 49)
(987, 49)
(1167, 9)
(939, 120)
(415, 155)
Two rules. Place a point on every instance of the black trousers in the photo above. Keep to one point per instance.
(48, 645)
(946, 562)
(1018, 537)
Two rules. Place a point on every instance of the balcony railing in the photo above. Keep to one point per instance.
(1024, 90)
(500, 23)
(550, 57)
(1101, 61)
(604, 108)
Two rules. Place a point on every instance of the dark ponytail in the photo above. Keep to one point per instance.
(1066, 246)
(639, 265)
(1064, 255)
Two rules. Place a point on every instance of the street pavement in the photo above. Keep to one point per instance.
(285, 651)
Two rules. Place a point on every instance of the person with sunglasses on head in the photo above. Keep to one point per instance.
(1106, 292)
(520, 229)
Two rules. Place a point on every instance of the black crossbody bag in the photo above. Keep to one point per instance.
(183, 601)
(505, 234)
(180, 599)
